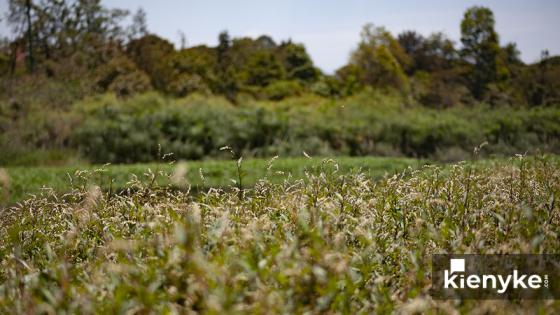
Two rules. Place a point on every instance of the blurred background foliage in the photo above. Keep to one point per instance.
(77, 84)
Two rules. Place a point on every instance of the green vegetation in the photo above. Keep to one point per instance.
(218, 234)
(82, 86)
(330, 242)
(142, 128)
(23, 182)
(108, 129)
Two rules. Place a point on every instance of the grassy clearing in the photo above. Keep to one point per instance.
(26, 181)
(329, 242)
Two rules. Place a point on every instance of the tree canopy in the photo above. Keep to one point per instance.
(83, 42)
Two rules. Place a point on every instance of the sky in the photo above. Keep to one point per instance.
(330, 29)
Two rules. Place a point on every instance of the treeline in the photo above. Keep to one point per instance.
(82, 48)
(79, 83)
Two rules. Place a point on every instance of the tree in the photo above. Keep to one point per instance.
(139, 26)
(511, 55)
(151, 54)
(193, 69)
(380, 59)
(264, 68)
(21, 18)
(297, 62)
(440, 52)
(121, 76)
(224, 44)
(182, 39)
(29, 35)
(227, 83)
(431, 54)
(374, 36)
(265, 42)
(5, 58)
(414, 46)
(56, 30)
(480, 48)
(347, 80)
(540, 82)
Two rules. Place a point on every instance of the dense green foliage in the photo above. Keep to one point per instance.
(329, 243)
(142, 128)
(398, 95)
(83, 43)
(481, 46)
(368, 124)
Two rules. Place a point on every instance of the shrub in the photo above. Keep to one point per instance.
(279, 90)
(185, 84)
(131, 130)
(121, 76)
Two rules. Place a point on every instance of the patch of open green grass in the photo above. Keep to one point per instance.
(26, 181)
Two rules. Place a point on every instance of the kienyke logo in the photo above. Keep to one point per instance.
(495, 276)
(457, 278)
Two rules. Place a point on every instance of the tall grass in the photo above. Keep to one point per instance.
(27, 181)
(326, 243)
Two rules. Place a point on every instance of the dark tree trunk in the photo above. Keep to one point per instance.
(30, 59)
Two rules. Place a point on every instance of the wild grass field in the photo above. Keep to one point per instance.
(348, 228)
(26, 181)
(331, 240)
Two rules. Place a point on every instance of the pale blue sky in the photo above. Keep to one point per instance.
(330, 28)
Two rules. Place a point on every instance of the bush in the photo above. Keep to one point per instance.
(367, 124)
(121, 76)
(185, 84)
(279, 90)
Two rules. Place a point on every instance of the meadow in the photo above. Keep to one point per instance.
(330, 240)
(27, 181)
